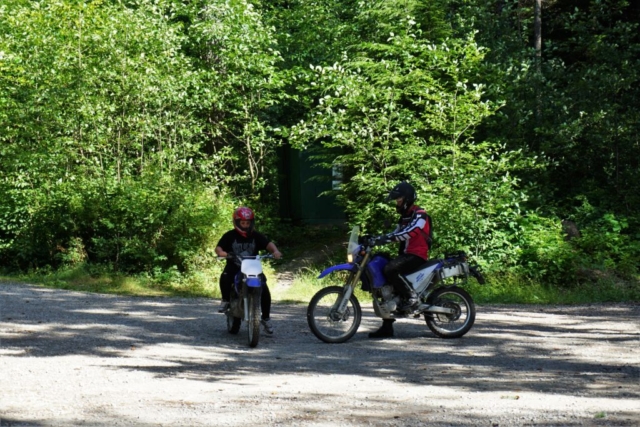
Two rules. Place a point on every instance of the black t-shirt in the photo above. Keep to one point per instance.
(234, 242)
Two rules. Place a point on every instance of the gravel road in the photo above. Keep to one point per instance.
(76, 359)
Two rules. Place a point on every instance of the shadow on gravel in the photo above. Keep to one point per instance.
(10, 422)
(513, 349)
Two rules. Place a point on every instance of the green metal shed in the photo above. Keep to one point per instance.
(302, 180)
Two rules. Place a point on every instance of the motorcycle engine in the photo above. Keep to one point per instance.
(389, 303)
(387, 292)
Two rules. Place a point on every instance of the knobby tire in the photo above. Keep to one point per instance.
(451, 325)
(253, 324)
(324, 321)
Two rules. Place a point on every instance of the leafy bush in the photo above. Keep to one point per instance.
(134, 225)
(601, 252)
(543, 253)
(114, 137)
(605, 246)
(407, 108)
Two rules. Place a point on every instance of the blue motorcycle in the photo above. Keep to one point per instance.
(334, 313)
(245, 298)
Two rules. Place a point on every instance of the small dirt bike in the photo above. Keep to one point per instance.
(334, 313)
(246, 294)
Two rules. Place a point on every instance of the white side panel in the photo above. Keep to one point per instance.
(421, 278)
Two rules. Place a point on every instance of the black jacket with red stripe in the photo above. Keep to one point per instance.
(413, 233)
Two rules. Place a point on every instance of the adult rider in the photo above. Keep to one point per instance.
(412, 232)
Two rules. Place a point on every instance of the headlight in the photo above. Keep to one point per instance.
(349, 258)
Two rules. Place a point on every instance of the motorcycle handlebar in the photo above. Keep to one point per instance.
(233, 256)
(372, 241)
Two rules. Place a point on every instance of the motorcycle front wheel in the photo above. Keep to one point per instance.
(459, 322)
(324, 320)
(254, 319)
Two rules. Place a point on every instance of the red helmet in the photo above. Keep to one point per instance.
(243, 214)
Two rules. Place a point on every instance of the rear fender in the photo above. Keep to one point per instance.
(339, 267)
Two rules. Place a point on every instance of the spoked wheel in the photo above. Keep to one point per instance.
(254, 319)
(326, 322)
(459, 322)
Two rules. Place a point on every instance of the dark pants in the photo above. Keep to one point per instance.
(226, 282)
(403, 264)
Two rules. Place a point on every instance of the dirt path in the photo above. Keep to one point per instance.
(74, 359)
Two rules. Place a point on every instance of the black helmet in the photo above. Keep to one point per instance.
(408, 194)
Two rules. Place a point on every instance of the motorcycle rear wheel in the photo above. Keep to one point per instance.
(456, 324)
(254, 319)
(328, 325)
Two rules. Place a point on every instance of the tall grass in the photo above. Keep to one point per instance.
(83, 278)
(306, 284)
(514, 289)
(500, 289)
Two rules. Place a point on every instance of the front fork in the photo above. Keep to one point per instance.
(246, 290)
(245, 302)
(350, 285)
(344, 301)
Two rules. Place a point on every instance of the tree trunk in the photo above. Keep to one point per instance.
(538, 33)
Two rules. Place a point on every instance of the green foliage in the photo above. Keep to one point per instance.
(91, 89)
(301, 37)
(607, 247)
(130, 129)
(544, 255)
(235, 57)
(406, 109)
(118, 133)
(512, 288)
(577, 105)
(130, 225)
(602, 252)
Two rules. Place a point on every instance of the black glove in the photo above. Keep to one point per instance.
(367, 239)
(381, 240)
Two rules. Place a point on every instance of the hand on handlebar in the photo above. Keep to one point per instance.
(228, 255)
(381, 240)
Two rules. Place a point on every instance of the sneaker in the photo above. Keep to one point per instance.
(224, 305)
(266, 324)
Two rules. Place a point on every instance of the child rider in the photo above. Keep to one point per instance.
(244, 240)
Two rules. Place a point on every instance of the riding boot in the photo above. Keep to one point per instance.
(385, 331)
